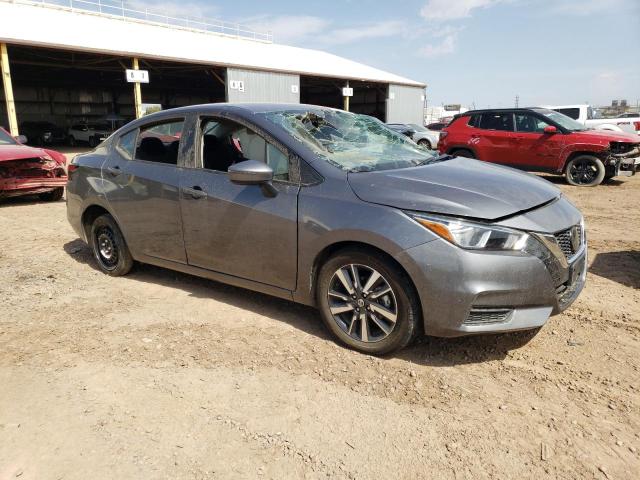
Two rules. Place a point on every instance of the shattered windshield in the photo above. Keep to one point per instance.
(355, 143)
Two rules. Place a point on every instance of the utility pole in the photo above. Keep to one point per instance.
(8, 90)
(137, 93)
(346, 99)
(517, 100)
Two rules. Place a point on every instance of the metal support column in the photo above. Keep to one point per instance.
(137, 92)
(8, 90)
(346, 99)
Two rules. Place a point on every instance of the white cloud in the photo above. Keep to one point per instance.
(174, 8)
(445, 47)
(588, 7)
(440, 10)
(389, 28)
(296, 29)
(445, 31)
(288, 28)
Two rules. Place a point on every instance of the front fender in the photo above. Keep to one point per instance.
(596, 148)
(330, 214)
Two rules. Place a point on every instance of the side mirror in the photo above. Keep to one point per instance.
(252, 172)
(22, 139)
(550, 129)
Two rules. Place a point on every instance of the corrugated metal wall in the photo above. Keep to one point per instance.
(405, 104)
(262, 86)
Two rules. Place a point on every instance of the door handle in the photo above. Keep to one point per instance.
(196, 192)
(114, 171)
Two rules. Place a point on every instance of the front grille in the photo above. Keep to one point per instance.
(486, 316)
(570, 240)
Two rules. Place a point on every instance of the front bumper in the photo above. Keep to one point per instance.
(464, 292)
(629, 166)
(10, 187)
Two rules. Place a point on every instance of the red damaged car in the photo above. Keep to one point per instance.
(542, 140)
(27, 170)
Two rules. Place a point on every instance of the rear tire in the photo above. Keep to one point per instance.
(389, 306)
(463, 153)
(585, 171)
(109, 247)
(54, 195)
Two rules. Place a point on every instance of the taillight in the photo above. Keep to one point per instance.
(637, 125)
(72, 167)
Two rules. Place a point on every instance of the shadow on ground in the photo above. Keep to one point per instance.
(621, 267)
(560, 180)
(23, 200)
(430, 351)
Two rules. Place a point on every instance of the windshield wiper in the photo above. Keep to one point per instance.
(439, 158)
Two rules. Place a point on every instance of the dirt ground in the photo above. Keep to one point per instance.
(161, 375)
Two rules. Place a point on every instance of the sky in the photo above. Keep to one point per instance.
(480, 53)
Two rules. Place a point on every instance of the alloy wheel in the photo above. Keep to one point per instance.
(362, 303)
(583, 171)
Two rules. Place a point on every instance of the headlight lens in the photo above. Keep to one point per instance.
(473, 236)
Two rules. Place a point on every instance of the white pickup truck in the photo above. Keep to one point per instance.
(588, 116)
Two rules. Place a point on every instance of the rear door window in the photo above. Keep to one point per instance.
(160, 142)
(127, 144)
(474, 121)
(497, 121)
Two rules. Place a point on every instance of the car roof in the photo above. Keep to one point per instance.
(219, 108)
(491, 110)
(577, 105)
(246, 107)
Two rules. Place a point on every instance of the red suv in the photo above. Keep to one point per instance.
(542, 140)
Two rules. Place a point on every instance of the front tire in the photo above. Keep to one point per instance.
(585, 171)
(109, 247)
(425, 143)
(54, 195)
(464, 153)
(367, 302)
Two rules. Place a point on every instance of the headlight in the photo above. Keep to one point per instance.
(474, 236)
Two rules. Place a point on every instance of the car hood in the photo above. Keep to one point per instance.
(608, 136)
(460, 186)
(18, 152)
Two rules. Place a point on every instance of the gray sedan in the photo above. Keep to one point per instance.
(335, 210)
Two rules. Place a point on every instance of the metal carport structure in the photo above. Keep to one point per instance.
(189, 61)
